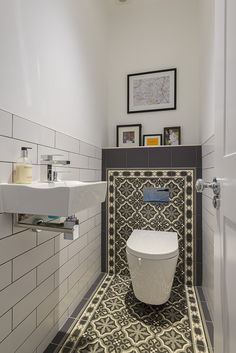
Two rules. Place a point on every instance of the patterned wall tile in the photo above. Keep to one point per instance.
(127, 211)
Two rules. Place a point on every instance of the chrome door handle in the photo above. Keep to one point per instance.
(215, 186)
(202, 185)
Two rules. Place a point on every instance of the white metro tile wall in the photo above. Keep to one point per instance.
(67, 143)
(10, 149)
(5, 172)
(42, 276)
(28, 131)
(5, 123)
(208, 223)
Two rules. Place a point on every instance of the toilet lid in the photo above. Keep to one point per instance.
(153, 245)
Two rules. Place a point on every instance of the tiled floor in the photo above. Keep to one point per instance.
(114, 321)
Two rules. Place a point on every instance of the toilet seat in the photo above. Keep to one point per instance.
(153, 245)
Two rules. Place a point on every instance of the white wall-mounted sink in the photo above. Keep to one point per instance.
(63, 198)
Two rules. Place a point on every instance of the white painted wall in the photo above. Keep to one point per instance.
(149, 35)
(52, 64)
(206, 84)
(206, 32)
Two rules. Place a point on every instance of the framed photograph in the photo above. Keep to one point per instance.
(151, 91)
(128, 135)
(172, 135)
(152, 140)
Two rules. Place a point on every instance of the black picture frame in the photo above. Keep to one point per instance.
(151, 75)
(152, 135)
(166, 135)
(137, 129)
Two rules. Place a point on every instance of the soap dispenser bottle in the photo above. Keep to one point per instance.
(23, 172)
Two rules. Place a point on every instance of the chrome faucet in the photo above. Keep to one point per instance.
(46, 168)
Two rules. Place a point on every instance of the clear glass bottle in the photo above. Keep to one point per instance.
(23, 171)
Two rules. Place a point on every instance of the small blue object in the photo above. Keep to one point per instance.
(151, 194)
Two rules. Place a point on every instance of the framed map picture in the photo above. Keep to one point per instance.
(150, 91)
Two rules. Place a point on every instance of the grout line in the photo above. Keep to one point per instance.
(36, 306)
(12, 128)
(208, 139)
(12, 318)
(208, 153)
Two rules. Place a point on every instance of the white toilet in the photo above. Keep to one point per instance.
(152, 258)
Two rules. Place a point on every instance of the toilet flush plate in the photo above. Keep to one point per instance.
(63, 198)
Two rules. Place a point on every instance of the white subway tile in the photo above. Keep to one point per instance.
(16, 291)
(5, 172)
(208, 161)
(10, 150)
(86, 226)
(28, 131)
(60, 242)
(5, 274)
(95, 210)
(208, 174)
(45, 236)
(36, 172)
(5, 123)
(78, 275)
(18, 336)
(95, 163)
(76, 302)
(67, 143)
(94, 233)
(87, 175)
(83, 255)
(64, 271)
(64, 304)
(98, 175)
(77, 246)
(51, 301)
(51, 334)
(22, 309)
(78, 161)
(98, 220)
(51, 265)
(16, 244)
(93, 276)
(208, 146)
(94, 245)
(66, 173)
(210, 220)
(5, 325)
(33, 258)
(5, 225)
(93, 271)
(87, 150)
(82, 215)
(207, 205)
(37, 336)
(98, 153)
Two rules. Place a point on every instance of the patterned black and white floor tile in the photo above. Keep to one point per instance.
(114, 321)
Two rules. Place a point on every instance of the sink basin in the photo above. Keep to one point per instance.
(63, 198)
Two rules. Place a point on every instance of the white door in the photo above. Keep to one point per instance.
(225, 237)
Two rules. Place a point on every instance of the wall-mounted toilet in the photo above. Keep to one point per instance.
(152, 258)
